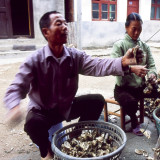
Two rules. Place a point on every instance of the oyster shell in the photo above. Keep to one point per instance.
(156, 153)
(89, 144)
(144, 153)
(147, 133)
(136, 52)
(139, 151)
(149, 158)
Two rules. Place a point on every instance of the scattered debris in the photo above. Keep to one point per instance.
(112, 118)
(157, 149)
(149, 158)
(31, 144)
(139, 151)
(147, 133)
(21, 151)
(10, 150)
(156, 153)
(144, 153)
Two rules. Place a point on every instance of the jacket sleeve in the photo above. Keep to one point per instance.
(100, 67)
(20, 85)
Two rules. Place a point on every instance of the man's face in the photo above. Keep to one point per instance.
(58, 31)
(134, 29)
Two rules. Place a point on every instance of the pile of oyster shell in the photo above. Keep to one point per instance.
(90, 143)
(150, 104)
(150, 86)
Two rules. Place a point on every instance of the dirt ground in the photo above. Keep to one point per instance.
(13, 140)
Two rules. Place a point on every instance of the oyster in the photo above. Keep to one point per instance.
(149, 158)
(89, 144)
(144, 153)
(156, 153)
(150, 86)
(137, 52)
(139, 151)
(147, 133)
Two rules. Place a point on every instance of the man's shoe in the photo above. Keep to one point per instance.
(50, 156)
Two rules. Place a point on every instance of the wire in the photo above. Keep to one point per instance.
(152, 36)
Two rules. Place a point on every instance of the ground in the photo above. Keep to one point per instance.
(16, 145)
(13, 139)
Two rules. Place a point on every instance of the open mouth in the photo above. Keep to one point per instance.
(64, 34)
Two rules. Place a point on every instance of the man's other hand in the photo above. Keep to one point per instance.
(14, 116)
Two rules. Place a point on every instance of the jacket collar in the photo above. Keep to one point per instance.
(48, 53)
(128, 38)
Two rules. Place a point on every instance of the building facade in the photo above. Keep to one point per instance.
(103, 21)
(19, 21)
(96, 23)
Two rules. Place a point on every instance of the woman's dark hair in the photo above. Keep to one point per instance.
(45, 20)
(132, 17)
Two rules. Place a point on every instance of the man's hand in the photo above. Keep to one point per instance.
(14, 116)
(139, 70)
(130, 58)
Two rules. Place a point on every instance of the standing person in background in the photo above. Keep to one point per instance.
(50, 78)
(129, 88)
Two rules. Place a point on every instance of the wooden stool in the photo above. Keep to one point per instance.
(122, 112)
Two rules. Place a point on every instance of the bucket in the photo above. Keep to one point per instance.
(156, 114)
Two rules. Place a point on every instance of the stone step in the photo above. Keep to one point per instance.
(14, 54)
(23, 50)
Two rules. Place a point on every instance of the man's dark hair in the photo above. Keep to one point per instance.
(45, 20)
(132, 17)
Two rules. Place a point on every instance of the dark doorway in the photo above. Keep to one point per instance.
(16, 19)
(21, 17)
(19, 13)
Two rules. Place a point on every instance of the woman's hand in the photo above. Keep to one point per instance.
(152, 77)
(139, 70)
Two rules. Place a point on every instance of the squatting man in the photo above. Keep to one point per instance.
(50, 78)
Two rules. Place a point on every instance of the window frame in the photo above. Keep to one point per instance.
(155, 5)
(108, 2)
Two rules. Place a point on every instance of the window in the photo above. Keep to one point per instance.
(155, 10)
(104, 10)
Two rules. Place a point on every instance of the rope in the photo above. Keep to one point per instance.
(152, 35)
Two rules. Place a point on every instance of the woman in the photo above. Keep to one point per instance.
(129, 88)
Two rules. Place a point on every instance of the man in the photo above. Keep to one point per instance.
(50, 78)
